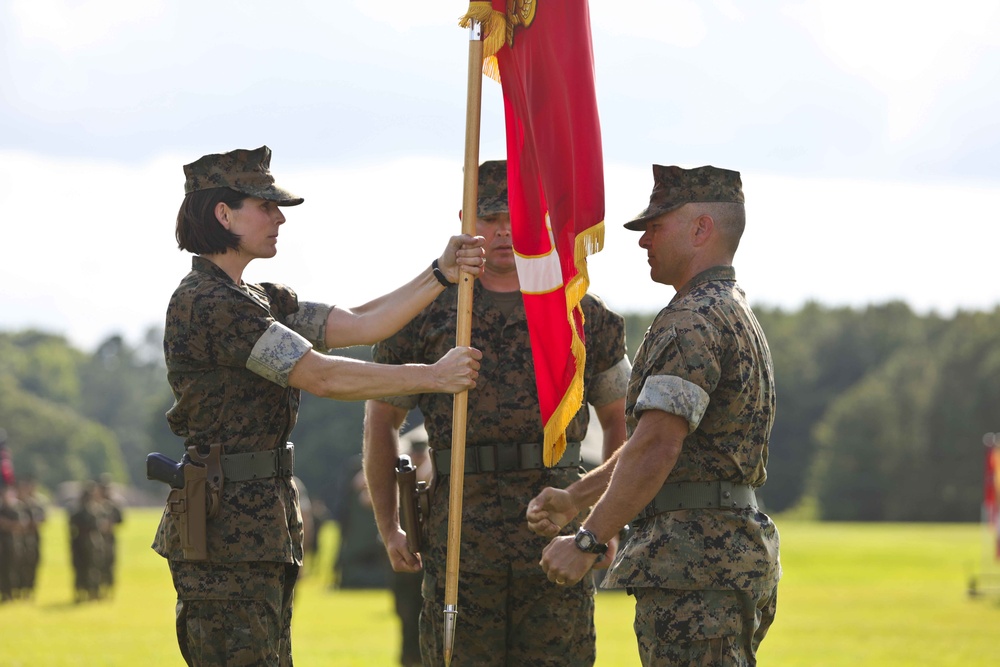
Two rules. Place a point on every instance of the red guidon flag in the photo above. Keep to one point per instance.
(991, 493)
(555, 177)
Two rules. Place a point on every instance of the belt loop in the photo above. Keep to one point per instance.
(286, 460)
(485, 458)
(529, 455)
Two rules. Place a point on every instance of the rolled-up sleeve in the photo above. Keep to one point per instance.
(674, 395)
(611, 384)
(310, 321)
(276, 352)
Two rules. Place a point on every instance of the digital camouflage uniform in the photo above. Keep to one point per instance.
(87, 546)
(508, 612)
(705, 579)
(34, 512)
(228, 350)
(11, 527)
(112, 517)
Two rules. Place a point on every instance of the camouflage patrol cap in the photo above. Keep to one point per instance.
(492, 188)
(673, 187)
(242, 170)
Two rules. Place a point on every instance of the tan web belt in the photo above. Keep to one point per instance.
(700, 495)
(504, 458)
(278, 462)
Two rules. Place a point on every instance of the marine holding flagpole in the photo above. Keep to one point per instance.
(237, 356)
(550, 349)
(509, 614)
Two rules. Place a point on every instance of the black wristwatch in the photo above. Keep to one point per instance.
(587, 541)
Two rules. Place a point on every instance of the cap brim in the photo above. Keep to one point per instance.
(491, 206)
(279, 196)
(638, 224)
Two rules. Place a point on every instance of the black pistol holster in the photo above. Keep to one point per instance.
(413, 502)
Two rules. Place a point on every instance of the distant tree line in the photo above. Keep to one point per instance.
(881, 412)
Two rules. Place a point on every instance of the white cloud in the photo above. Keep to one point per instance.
(909, 51)
(679, 23)
(68, 25)
(405, 15)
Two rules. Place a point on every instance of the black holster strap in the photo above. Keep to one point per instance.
(700, 495)
(279, 462)
(504, 457)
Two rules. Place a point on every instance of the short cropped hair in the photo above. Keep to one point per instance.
(730, 219)
(198, 230)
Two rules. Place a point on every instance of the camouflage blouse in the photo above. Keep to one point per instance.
(228, 350)
(505, 400)
(503, 408)
(705, 358)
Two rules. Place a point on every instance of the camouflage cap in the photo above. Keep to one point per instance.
(245, 171)
(673, 187)
(492, 188)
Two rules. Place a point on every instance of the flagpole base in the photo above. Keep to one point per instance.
(450, 616)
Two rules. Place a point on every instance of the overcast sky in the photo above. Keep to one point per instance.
(866, 133)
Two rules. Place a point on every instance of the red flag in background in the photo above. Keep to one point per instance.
(989, 485)
(991, 492)
(6, 467)
(555, 176)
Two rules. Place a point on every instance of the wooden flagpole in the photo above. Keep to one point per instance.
(463, 337)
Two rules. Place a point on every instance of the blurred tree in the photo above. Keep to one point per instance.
(905, 443)
(52, 442)
(42, 364)
(819, 353)
(123, 385)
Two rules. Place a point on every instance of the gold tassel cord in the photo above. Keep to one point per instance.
(495, 27)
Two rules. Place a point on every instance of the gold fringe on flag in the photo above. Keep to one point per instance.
(495, 28)
(589, 242)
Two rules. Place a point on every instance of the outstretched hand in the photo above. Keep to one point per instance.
(464, 253)
(549, 511)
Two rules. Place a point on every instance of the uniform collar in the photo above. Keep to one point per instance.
(199, 263)
(708, 275)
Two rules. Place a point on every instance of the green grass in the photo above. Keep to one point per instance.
(853, 594)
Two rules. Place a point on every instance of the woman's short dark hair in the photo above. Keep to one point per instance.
(198, 230)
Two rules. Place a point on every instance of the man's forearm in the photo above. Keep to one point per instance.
(381, 449)
(587, 490)
(640, 468)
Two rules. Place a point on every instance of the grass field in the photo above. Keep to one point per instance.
(853, 594)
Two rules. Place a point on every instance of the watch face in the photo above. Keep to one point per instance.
(587, 541)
